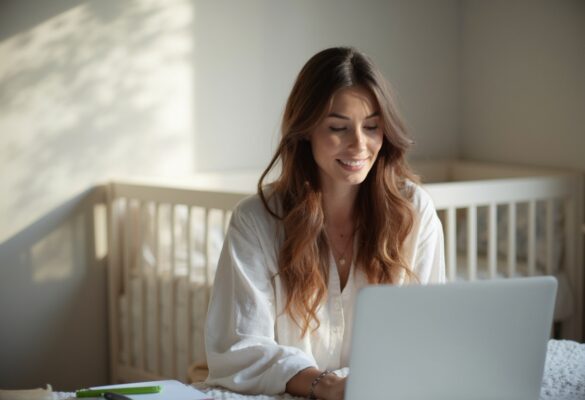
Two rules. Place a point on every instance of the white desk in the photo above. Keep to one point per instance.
(564, 377)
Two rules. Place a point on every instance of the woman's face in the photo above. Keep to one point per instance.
(346, 142)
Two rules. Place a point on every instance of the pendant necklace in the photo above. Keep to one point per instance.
(341, 260)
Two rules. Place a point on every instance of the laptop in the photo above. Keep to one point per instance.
(458, 341)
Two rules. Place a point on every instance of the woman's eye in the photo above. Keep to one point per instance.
(337, 128)
(371, 127)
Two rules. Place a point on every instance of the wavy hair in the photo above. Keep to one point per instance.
(384, 214)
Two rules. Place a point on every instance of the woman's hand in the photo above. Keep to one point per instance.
(329, 387)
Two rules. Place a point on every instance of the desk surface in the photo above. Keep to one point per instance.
(564, 377)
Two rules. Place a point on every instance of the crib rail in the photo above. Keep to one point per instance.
(461, 194)
(555, 195)
(143, 219)
(163, 248)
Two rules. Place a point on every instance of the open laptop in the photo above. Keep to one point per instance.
(474, 340)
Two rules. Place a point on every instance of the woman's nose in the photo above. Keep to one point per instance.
(359, 137)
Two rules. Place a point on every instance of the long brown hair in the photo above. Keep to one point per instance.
(383, 208)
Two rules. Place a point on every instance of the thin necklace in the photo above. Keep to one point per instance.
(341, 260)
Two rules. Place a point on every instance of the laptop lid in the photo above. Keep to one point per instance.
(472, 340)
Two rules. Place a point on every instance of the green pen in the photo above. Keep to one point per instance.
(120, 390)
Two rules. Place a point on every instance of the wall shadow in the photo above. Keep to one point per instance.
(53, 299)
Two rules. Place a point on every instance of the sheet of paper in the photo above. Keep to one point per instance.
(171, 390)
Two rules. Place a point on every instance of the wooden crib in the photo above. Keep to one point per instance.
(164, 241)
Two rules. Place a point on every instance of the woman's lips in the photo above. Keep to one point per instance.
(352, 165)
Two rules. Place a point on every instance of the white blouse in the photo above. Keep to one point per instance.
(252, 345)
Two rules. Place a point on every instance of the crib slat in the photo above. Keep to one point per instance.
(142, 283)
(114, 287)
(127, 285)
(472, 242)
(574, 212)
(451, 244)
(511, 239)
(206, 258)
(135, 284)
(492, 240)
(531, 238)
(173, 239)
(550, 237)
(118, 310)
(189, 243)
(158, 295)
(139, 238)
(570, 229)
(173, 294)
(190, 343)
(155, 228)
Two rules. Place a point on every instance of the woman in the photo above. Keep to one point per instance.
(344, 213)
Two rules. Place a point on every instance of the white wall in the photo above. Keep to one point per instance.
(87, 90)
(162, 88)
(523, 64)
(247, 57)
(99, 89)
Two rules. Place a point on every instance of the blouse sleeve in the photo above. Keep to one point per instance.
(242, 352)
(429, 252)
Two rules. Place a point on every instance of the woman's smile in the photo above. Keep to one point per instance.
(352, 164)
